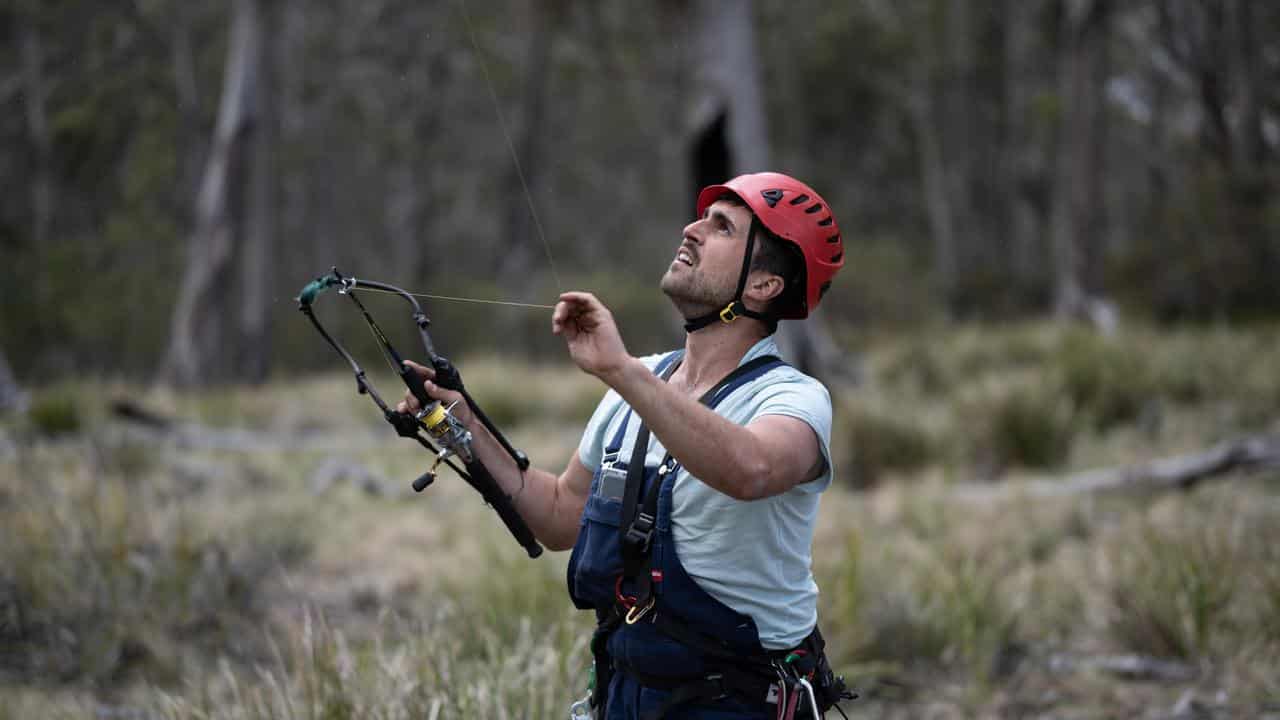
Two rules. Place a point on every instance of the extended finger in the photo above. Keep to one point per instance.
(425, 370)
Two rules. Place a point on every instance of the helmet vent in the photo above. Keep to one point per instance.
(771, 196)
(836, 258)
(813, 208)
(825, 221)
(799, 199)
(833, 239)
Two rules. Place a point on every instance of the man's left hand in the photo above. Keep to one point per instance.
(591, 334)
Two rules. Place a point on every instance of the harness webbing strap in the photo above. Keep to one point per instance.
(635, 471)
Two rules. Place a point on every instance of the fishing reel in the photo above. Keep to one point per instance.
(454, 439)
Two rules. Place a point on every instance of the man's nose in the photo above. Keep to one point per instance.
(691, 231)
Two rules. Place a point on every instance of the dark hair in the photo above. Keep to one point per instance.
(779, 257)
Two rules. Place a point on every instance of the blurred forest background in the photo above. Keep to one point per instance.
(1053, 352)
(178, 170)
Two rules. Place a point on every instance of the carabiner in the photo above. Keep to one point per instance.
(636, 613)
(813, 701)
(581, 710)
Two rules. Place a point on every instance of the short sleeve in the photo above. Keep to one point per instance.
(804, 398)
(591, 447)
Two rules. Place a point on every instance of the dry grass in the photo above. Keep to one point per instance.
(139, 578)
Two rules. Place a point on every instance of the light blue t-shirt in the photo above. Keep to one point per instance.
(752, 556)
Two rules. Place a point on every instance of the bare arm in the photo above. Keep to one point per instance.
(769, 456)
(550, 505)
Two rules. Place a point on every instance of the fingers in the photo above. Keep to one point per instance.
(573, 308)
(424, 370)
(410, 403)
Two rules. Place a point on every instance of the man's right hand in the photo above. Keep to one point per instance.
(411, 405)
(590, 333)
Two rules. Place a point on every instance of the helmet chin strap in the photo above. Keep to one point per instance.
(736, 308)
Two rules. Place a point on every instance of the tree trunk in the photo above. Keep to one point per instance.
(730, 136)
(955, 127)
(200, 342)
(257, 258)
(190, 143)
(11, 395)
(933, 181)
(1076, 219)
(35, 91)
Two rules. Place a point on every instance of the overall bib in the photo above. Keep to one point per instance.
(643, 657)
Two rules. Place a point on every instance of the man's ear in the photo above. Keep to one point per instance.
(763, 286)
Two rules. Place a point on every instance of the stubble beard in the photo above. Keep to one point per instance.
(692, 295)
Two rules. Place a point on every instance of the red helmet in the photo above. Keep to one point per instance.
(794, 212)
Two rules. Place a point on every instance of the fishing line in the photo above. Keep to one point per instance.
(451, 298)
(502, 122)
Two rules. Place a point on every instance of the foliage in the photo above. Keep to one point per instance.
(388, 160)
(1110, 381)
(110, 579)
(56, 412)
(1172, 588)
(882, 443)
(1031, 426)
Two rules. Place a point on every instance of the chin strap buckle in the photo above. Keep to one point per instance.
(727, 315)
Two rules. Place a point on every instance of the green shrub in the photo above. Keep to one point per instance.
(946, 609)
(55, 413)
(917, 366)
(1111, 382)
(882, 443)
(1026, 426)
(951, 615)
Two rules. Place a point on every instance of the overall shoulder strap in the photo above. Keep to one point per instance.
(664, 368)
(635, 466)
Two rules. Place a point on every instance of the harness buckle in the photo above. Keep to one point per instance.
(641, 531)
(727, 315)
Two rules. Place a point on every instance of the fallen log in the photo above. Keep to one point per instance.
(1129, 667)
(154, 427)
(1180, 472)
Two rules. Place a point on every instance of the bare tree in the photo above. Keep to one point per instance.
(1076, 220)
(202, 338)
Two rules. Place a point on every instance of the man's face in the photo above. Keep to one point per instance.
(704, 273)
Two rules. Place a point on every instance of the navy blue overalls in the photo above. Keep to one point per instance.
(640, 648)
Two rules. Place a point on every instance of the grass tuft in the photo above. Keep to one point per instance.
(1171, 589)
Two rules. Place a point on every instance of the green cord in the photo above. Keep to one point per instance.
(309, 291)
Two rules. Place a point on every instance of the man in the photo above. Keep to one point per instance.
(691, 501)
